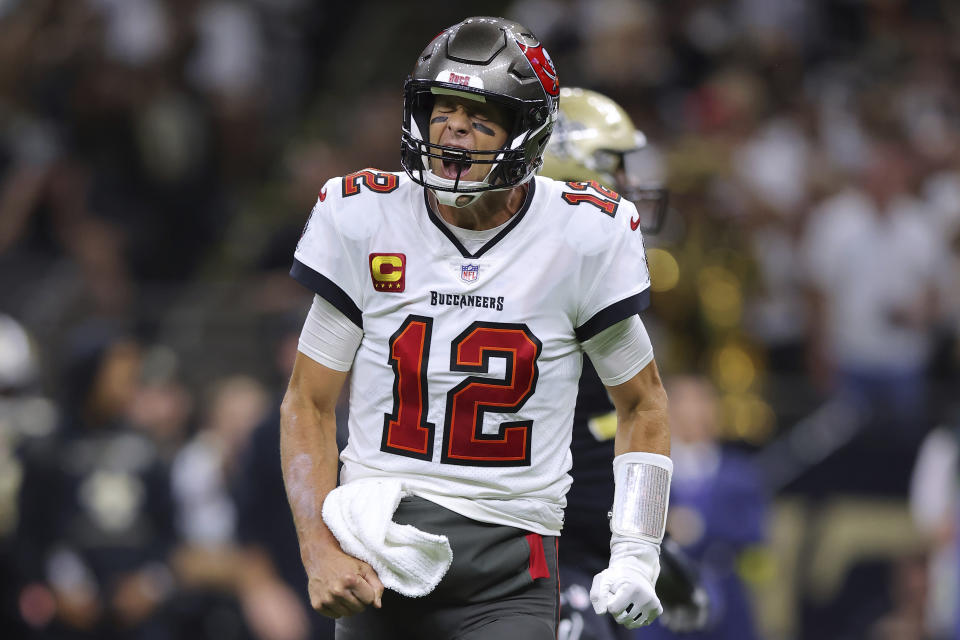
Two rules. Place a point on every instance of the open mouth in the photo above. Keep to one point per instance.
(454, 164)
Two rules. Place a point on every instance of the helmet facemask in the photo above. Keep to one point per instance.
(638, 170)
(623, 172)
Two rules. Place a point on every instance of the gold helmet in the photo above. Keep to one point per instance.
(594, 139)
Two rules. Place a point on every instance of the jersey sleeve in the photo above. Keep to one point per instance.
(617, 280)
(324, 259)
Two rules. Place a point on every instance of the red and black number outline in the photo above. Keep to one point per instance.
(372, 179)
(464, 443)
(608, 201)
(406, 431)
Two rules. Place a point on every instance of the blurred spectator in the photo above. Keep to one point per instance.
(95, 514)
(276, 600)
(874, 263)
(718, 509)
(773, 168)
(934, 495)
(211, 568)
(908, 593)
(204, 468)
(25, 415)
(164, 405)
(136, 32)
(227, 61)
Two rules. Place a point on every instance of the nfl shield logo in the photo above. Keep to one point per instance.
(469, 272)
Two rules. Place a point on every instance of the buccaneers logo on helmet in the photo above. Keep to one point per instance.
(543, 66)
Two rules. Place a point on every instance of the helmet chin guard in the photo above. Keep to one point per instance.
(453, 199)
(488, 60)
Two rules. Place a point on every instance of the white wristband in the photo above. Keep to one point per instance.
(641, 495)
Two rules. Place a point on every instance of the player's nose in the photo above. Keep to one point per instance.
(459, 122)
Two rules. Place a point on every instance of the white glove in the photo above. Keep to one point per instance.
(625, 589)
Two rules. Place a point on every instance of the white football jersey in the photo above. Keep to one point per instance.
(465, 380)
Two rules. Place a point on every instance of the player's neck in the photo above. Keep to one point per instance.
(486, 212)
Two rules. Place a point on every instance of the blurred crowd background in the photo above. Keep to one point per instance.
(158, 159)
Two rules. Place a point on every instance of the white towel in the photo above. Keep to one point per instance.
(407, 560)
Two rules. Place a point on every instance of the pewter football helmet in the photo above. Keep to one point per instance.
(488, 60)
(595, 139)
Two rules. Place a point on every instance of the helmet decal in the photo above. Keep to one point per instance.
(543, 66)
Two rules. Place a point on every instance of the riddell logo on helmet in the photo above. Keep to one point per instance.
(462, 79)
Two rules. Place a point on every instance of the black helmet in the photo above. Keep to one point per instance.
(485, 59)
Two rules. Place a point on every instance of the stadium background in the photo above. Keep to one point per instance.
(158, 160)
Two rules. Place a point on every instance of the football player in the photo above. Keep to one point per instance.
(461, 296)
(594, 139)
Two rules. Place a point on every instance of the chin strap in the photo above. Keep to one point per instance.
(460, 199)
(455, 199)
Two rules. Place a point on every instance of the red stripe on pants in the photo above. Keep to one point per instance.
(538, 559)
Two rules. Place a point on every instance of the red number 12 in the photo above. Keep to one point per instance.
(407, 432)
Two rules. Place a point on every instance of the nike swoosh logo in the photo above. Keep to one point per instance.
(323, 194)
(635, 223)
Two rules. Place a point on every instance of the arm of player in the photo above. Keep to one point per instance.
(641, 405)
(339, 584)
(642, 470)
